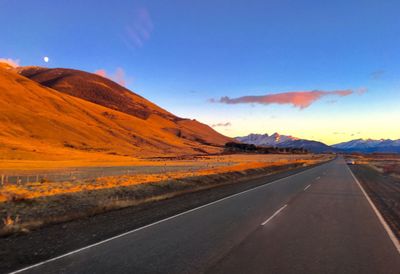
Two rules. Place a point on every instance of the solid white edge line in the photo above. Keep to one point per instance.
(273, 215)
(160, 221)
(389, 231)
(306, 187)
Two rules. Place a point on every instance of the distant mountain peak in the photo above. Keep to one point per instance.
(279, 140)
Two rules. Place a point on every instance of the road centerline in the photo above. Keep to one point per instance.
(273, 215)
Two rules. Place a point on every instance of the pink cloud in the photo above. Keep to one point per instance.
(12, 62)
(101, 72)
(139, 30)
(118, 76)
(299, 99)
(361, 91)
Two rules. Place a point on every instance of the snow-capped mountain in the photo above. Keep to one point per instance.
(358, 145)
(277, 140)
(370, 146)
(265, 139)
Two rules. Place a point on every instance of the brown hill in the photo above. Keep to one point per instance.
(37, 122)
(102, 91)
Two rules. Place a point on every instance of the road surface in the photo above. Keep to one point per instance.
(316, 221)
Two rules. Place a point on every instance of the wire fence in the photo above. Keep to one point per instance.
(88, 173)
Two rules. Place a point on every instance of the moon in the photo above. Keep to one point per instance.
(46, 59)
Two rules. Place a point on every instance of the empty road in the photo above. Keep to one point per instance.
(316, 221)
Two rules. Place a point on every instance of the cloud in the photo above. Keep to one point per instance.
(299, 99)
(376, 75)
(101, 72)
(118, 77)
(227, 124)
(332, 102)
(361, 91)
(12, 62)
(140, 29)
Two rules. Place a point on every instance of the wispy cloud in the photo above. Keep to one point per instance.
(331, 102)
(140, 29)
(118, 76)
(12, 62)
(361, 91)
(227, 124)
(299, 99)
(376, 75)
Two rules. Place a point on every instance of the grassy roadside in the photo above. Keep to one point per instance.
(25, 214)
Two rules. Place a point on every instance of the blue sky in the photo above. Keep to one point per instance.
(180, 54)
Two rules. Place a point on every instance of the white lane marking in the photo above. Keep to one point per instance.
(161, 221)
(306, 187)
(318, 178)
(273, 215)
(389, 231)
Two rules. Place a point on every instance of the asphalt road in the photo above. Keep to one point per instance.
(316, 221)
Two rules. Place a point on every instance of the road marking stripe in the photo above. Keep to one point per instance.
(389, 231)
(163, 220)
(306, 187)
(318, 178)
(273, 215)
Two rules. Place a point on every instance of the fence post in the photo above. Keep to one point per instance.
(2, 179)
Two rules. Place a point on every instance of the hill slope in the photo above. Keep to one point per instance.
(102, 91)
(37, 122)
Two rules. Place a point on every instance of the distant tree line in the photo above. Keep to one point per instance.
(250, 148)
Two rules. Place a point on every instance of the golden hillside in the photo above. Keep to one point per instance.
(105, 92)
(40, 123)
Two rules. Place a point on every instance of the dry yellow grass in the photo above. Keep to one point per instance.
(101, 160)
(211, 165)
(31, 206)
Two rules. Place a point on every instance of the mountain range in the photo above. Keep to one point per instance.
(68, 114)
(358, 145)
(370, 146)
(278, 140)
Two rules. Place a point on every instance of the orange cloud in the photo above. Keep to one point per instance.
(118, 76)
(299, 99)
(11, 62)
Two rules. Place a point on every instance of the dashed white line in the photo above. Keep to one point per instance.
(306, 187)
(318, 178)
(273, 215)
